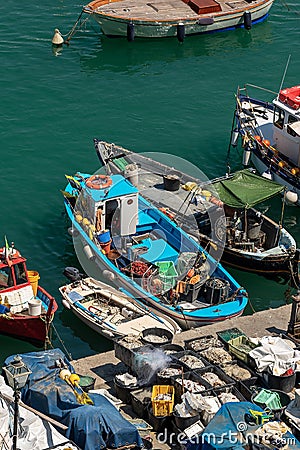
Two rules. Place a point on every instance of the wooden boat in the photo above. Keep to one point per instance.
(110, 312)
(26, 309)
(271, 136)
(158, 263)
(249, 240)
(180, 18)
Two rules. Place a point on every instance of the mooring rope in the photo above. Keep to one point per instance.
(62, 343)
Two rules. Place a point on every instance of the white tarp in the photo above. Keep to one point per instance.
(33, 432)
(275, 355)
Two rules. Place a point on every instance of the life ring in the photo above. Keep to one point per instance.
(98, 182)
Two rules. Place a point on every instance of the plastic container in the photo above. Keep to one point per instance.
(124, 350)
(184, 422)
(241, 346)
(86, 382)
(162, 407)
(229, 390)
(277, 403)
(226, 335)
(158, 423)
(167, 273)
(33, 278)
(123, 391)
(171, 182)
(131, 173)
(104, 237)
(216, 290)
(186, 386)
(171, 349)
(228, 381)
(177, 357)
(284, 383)
(167, 379)
(105, 246)
(191, 291)
(140, 399)
(202, 343)
(157, 336)
(34, 307)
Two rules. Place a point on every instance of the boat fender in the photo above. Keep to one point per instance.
(88, 252)
(291, 196)
(266, 142)
(73, 232)
(247, 20)
(235, 137)
(108, 275)
(246, 155)
(66, 304)
(98, 182)
(180, 32)
(130, 32)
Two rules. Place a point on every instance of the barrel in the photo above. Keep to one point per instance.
(104, 237)
(33, 278)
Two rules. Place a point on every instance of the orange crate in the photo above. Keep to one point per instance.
(162, 407)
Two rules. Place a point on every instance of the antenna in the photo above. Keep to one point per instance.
(284, 74)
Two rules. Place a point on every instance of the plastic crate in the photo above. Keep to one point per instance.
(269, 398)
(177, 358)
(228, 381)
(140, 399)
(180, 387)
(226, 335)
(202, 343)
(241, 346)
(191, 292)
(162, 407)
(167, 273)
(124, 350)
(232, 390)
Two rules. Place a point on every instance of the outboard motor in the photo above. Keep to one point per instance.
(72, 274)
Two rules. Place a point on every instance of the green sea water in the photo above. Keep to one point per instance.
(148, 96)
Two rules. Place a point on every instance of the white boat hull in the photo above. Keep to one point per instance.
(117, 26)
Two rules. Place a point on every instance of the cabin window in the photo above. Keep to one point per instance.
(292, 119)
(20, 273)
(6, 279)
(278, 118)
(111, 208)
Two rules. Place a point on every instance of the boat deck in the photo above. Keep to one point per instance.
(168, 9)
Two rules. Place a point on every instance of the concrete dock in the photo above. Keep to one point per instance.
(104, 366)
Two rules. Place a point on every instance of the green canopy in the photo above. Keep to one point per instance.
(244, 189)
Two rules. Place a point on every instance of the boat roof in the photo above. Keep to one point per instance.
(120, 187)
(245, 189)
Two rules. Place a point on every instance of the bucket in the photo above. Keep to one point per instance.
(123, 391)
(106, 246)
(104, 237)
(283, 398)
(34, 307)
(284, 383)
(158, 423)
(131, 172)
(171, 182)
(86, 382)
(33, 278)
(157, 336)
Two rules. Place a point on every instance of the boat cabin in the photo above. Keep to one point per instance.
(15, 288)
(286, 120)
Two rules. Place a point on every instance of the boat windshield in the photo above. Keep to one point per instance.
(6, 278)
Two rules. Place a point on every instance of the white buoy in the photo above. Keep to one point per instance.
(57, 38)
(291, 196)
(89, 253)
(267, 175)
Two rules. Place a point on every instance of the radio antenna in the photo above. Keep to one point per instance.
(284, 74)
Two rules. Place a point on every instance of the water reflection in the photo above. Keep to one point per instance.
(120, 56)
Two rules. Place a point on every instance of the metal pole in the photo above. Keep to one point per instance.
(16, 416)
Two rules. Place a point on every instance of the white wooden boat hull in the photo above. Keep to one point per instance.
(117, 26)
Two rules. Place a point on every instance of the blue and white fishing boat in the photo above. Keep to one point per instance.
(143, 251)
(270, 134)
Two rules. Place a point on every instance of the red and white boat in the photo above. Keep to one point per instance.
(26, 309)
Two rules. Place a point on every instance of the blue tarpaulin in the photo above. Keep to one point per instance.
(91, 427)
(229, 430)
